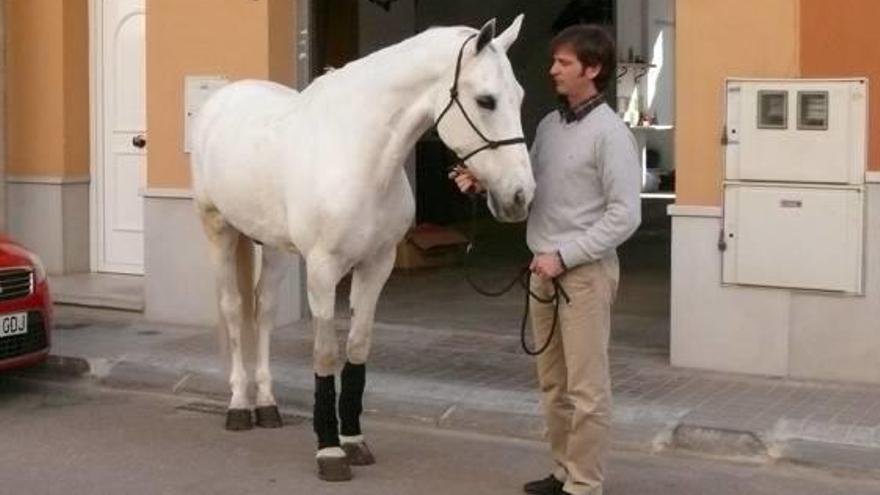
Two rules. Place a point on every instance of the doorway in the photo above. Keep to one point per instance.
(119, 135)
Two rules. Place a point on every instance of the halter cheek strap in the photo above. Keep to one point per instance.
(453, 99)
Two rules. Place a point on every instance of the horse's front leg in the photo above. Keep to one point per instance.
(367, 281)
(324, 273)
(272, 272)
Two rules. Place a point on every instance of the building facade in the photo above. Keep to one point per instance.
(97, 175)
(765, 330)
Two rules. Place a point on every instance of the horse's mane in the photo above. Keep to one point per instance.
(369, 62)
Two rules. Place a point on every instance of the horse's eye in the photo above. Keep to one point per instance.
(487, 102)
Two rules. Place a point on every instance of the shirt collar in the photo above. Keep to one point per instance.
(569, 114)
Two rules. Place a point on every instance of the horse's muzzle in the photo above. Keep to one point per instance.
(512, 211)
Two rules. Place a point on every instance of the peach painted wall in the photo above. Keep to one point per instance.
(840, 39)
(237, 39)
(2, 109)
(47, 126)
(714, 40)
(76, 88)
(282, 39)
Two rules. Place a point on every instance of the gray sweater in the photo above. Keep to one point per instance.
(588, 178)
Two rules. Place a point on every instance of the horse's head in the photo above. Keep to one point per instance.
(480, 120)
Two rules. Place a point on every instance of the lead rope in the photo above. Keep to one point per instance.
(524, 279)
(524, 276)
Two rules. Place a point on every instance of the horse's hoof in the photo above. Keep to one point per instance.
(268, 417)
(333, 469)
(239, 419)
(358, 454)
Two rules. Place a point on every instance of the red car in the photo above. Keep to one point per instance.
(25, 307)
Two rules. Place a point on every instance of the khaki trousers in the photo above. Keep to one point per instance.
(573, 372)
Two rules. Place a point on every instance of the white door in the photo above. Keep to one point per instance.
(122, 169)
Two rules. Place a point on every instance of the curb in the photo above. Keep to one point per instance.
(851, 460)
(100, 302)
(654, 436)
(749, 446)
(133, 376)
(60, 367)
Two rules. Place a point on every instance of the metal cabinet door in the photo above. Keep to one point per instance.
(771, 136)
(796, 237)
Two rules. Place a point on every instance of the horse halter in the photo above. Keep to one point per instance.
(453, 98)
(522, 277)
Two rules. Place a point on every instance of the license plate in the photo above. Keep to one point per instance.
(13, 324)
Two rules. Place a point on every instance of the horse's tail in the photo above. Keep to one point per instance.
(245, 269)
(215, 226)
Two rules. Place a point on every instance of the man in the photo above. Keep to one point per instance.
(586, 204)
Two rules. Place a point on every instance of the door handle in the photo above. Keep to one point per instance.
(139, 141)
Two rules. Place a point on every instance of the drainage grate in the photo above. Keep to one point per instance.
(289, 419)
(60, 325)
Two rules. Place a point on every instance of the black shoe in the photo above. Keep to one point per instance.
(547, 486)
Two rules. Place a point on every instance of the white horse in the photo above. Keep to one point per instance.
(320, 173)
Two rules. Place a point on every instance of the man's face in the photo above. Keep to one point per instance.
(569, 75)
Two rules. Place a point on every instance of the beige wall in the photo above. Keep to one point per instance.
(718, 39)
(241, 39)
(47, 88)
(2, 115)
(282, 41)
(34, 82)
(76, 88)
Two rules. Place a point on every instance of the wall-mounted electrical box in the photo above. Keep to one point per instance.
(796, 131)
(197, 89)
(794, 199)
(796, 237)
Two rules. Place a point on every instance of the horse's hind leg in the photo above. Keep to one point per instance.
(368, 279)
(225, 242)
(324, 272)
(273, 270)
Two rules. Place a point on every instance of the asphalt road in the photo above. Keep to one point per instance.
(75, 438)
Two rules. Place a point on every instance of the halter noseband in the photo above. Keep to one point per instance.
(453, 98)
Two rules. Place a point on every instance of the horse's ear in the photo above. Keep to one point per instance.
(487, 33)
(510, 34)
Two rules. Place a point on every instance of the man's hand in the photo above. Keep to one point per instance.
(547, 265)
(465, 181)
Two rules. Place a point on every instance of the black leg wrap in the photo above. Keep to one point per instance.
(325, 424)
(351, 398)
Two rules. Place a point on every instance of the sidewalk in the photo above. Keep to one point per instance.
(478, 382)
